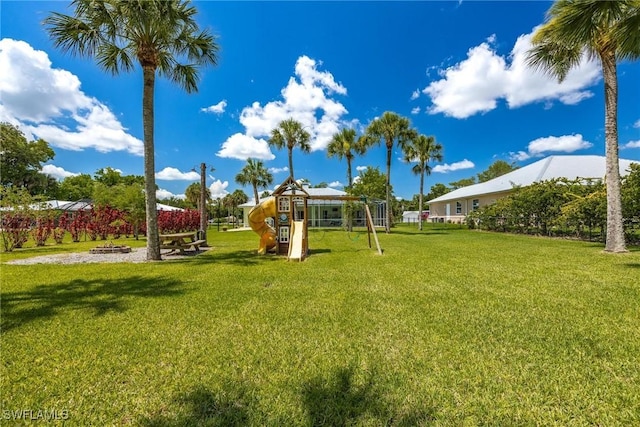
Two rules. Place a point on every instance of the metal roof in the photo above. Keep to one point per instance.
(570, 167)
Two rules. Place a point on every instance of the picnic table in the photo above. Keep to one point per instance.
(181, 241)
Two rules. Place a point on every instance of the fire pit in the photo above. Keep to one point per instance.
(110, 249)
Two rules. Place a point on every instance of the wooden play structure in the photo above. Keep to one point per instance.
(289, 208)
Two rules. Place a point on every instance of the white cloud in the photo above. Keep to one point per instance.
(415, 94)
(540, 146)
(476, 84)
(335, 184)
(305, 98)
(165, 194)
(463, 164)
(56, 172)
(637, 124)
(361, 168)
(217, 108)
(279, 170)
(173, 174)
(218, 189)
(415, 110)
(48, 103)
(565, 144)
(240, 146)
(519, 156)
(632, 144)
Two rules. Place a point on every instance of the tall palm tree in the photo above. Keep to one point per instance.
(421, 150)
(257, 175)
(345, 145)
(607, 31)
(162, 36)
(290, 134)
(389, 128)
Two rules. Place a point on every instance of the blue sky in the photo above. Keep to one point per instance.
(454, 68)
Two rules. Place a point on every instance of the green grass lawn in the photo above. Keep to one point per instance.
(448, 327)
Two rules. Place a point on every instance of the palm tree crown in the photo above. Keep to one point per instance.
(257, 175)
(603, 30)
(389, 128)
(345, 145)
(162, 36)
(421, 150)
(290, 133)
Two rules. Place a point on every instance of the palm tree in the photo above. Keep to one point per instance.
(344, 144)
(160, 35)
(257, 175)
(390, 127)
(607, 31)
(421, 150)
(290, 134)
(238, 197)
(193, 195)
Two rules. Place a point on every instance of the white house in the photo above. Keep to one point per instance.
(454, 206)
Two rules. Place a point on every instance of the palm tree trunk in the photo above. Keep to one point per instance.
(204, 224)
(420, 199)
(387, 227)
(291, 164)
(349, 207)
(255, 193)
(153, 239)
(615, 231)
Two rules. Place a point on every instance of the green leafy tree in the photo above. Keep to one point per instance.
(257, 175)
(21, 161)
(389, 128)
(464, 182)
(631, 194)
(165, 40)
(496, 169)
(437, 190)
(108, 176)
(290, 134)
(76, 187)
(344, 144)
(607, 31)
(421, 150)
(370, 183)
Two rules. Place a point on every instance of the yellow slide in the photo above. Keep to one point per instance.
(257, 216)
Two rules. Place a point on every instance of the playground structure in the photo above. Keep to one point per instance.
(289, 207)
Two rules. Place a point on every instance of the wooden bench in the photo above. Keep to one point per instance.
(196, 244)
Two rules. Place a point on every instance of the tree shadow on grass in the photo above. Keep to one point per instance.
(100, 295)
(346, 399)
(202, 407)
(242, 258)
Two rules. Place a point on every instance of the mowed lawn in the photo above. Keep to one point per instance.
(448, 327)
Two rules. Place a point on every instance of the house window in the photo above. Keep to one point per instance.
(458, 208)
(475, 204)
(283, 204)
(284, 235)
